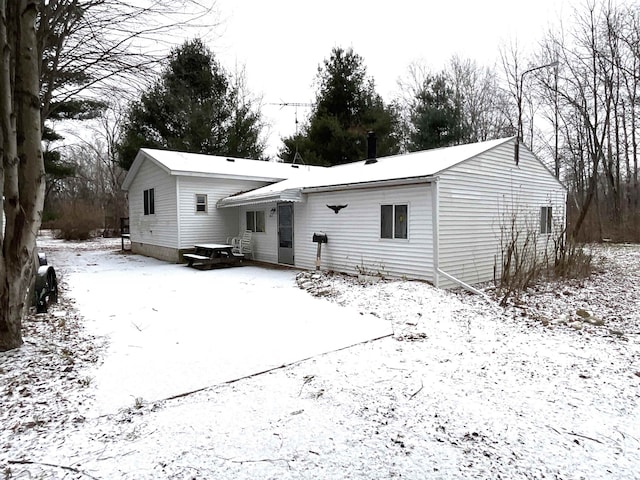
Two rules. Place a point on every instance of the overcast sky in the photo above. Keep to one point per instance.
(282, 42)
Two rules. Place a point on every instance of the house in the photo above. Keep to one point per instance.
(173, 196)
(443, 215)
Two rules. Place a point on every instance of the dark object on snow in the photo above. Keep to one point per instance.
(337, 208)
(46, 285)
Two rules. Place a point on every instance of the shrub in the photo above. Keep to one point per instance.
(77, 222)
(571, 259)
(520, 262)
(527, 257)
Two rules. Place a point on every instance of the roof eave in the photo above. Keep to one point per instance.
(292, 195)
(137, 163)
(226, 176)
(371, 184)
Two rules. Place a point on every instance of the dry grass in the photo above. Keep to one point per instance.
(77, 222)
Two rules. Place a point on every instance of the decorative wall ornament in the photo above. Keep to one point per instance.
(337, 208)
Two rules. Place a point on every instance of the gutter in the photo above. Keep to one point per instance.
(369, 184)
(435, 219)
(296, 194)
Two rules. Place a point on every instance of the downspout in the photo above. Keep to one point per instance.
(435, 219)
(435, 225)
(178, 216)
(466, 286)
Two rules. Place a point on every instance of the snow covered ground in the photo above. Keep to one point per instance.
(461, 389)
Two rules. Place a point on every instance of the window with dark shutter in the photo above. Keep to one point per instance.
(149, 201)
(546, 218)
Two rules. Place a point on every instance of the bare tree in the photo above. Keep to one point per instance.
(485, 106)
(409, 87)
(96, 47)
(485, 112)
(59, 55)
(22, 182)
(98, 177)
(593, 107)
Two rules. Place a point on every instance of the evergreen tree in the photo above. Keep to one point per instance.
(194, 107)
(347, 108)
(436, 116)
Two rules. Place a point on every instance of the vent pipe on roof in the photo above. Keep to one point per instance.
(371, 148)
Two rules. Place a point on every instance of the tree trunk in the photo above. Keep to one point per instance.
(23, 167)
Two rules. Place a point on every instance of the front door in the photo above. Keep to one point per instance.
(285, 233)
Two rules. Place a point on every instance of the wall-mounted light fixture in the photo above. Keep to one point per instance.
(272, 212)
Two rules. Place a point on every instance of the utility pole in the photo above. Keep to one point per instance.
(520, 86)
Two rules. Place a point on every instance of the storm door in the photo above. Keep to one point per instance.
(285, 233)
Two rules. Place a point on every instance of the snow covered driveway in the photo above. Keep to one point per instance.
(173, 329)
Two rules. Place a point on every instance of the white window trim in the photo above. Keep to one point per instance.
(255, 216)
(206, 203)
(393, 221)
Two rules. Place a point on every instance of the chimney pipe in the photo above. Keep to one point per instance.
(371, 148)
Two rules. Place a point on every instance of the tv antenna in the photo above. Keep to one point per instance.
(295, 105)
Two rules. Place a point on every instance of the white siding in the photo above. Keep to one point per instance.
(176, 225)
(216, 224)
(354, 233)
(265, 244)
(478, 196)
(160, 228)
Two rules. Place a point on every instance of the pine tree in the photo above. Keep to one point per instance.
(436, 116)
(194, 107)
(347, 108)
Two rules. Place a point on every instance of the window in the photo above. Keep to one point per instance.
(393, 221)
(546, 215)
(149, 202)
(201, 202)
(255, 221)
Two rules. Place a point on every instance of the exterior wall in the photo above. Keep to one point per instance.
(265, 244)
(161, 228)
(175, 225)
(216, 224)
(354, 241)
(167, 254)
(477, 200)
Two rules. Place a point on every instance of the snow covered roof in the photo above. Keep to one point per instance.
(418, 165)
(193, 164)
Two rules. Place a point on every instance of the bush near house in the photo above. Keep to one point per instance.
(526, 257)
(77, 221)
